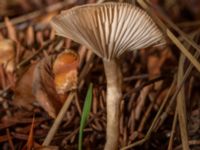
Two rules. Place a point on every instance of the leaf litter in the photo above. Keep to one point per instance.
(30, 87)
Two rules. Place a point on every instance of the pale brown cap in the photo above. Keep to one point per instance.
(109, 29)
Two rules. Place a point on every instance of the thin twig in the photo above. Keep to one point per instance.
(58, 119)
(145, 116)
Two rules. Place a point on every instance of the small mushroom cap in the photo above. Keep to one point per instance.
(65, 71)
(109, 29)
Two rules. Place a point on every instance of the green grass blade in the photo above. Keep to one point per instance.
(85, 115)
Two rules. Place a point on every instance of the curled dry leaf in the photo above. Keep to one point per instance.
(47, 82)
(53, 77)
(7, 54)
(43, 87)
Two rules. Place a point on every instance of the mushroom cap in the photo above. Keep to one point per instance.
(109, 29)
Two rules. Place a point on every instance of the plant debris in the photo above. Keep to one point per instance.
(160, 84)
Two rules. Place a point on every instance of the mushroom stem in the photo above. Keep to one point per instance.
(114, 93)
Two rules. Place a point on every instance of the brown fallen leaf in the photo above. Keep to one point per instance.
(53, 78)
(7, 54)
(23, 96)
(11, 29)
(44, 89)
(7, 63)
(155, 64)
(30, 36)
(48, 82)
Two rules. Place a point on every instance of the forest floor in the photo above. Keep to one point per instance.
(160, 106)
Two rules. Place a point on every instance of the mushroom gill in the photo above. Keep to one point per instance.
(109, 29)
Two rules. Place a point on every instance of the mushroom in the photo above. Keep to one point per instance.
(109, 29)
(65, 71)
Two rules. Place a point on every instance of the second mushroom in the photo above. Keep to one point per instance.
(109, 29)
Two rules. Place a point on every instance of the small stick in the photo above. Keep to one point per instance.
(145, 117)
(58, 119)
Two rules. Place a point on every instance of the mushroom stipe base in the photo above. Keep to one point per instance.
(113, 98)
